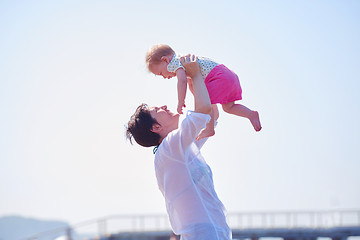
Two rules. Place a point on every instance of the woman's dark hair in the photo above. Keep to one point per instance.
(139, 128)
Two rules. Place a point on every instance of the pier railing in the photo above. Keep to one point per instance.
(237, 220)
(294, 219)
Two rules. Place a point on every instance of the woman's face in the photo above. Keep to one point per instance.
(165, 117)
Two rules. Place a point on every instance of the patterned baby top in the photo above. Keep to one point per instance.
(206, 65)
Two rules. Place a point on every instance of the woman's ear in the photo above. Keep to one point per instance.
(165, 58)
(156, 128)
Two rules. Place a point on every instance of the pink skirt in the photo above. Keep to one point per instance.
(223, 85)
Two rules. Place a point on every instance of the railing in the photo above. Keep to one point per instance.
(294, 219)
(240, 220)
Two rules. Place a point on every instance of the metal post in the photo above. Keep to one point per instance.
(340, 218)
(250, 220)
(288, 220)
(157, 227)
(142, 223)
(272, 221)
(134, 223)
(68, 233)
(312, 221)
(263, 220)
(319, 220)
(102, 227)
(239, 220)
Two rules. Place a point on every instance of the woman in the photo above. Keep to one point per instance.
(183, 177)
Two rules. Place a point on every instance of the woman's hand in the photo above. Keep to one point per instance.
(201, 95)
(191, 65)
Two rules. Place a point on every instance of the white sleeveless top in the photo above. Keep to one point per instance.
(206, 65)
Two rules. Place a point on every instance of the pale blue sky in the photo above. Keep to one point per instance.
(72, 73)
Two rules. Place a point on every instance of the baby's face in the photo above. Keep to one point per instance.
(161, 70)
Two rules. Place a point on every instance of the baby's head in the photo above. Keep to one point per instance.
(158, 58)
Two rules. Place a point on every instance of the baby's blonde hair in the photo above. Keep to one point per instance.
(155, 53)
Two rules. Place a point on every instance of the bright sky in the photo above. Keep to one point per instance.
(73, 72)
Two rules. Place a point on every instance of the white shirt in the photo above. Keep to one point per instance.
(206, 65)
(186, 182)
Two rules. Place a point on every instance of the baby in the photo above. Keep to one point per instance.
(222, 84)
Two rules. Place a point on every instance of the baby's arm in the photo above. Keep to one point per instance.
(181, 89)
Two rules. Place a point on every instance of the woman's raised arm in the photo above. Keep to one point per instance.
(201, 96)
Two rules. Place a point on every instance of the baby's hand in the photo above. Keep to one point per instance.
(180, 107)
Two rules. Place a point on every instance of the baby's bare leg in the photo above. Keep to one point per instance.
(242, 111)
(209, 130)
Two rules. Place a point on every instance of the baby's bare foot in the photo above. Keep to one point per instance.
(205, 132)
(255, 121)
